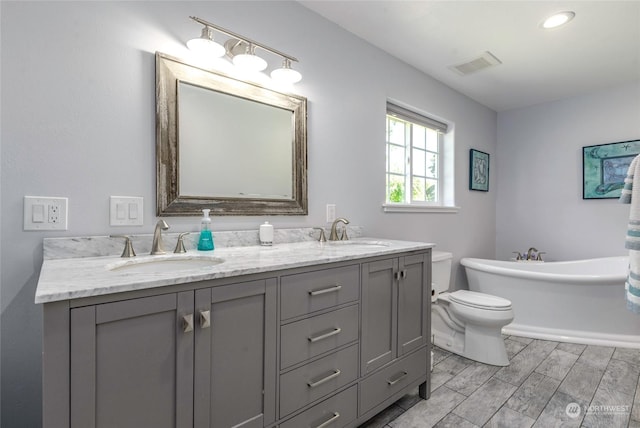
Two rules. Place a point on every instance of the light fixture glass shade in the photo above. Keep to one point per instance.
(558, 19)
(249, 62)
(204, 45)
(286, 74)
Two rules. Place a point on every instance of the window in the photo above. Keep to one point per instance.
(417, 162)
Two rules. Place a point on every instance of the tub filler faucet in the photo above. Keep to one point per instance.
(532, 254)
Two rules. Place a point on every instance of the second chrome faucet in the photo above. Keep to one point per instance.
(157, 247)
(333, 236)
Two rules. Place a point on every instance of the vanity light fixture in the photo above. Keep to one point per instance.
(241, 51)
(205, 44)
(243, 55)
(286, 74)
(557, 19)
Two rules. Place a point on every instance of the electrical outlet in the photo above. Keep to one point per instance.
(54, 213)
(331, 213)
(45, 213)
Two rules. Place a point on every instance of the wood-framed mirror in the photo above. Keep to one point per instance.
(232, 146)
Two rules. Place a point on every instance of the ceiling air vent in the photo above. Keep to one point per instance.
(486, 60)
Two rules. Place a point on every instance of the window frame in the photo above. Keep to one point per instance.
(445, 195)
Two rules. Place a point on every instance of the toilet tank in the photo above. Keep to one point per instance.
(440, 271)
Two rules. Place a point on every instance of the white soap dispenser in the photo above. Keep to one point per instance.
(266, 234)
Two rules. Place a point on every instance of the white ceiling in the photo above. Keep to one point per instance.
(599, 48)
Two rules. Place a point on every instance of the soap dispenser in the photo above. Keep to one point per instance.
(205, 243)
(266, 234)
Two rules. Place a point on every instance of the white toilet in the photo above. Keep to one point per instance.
(465, 322)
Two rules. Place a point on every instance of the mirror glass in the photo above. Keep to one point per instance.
(231, 146)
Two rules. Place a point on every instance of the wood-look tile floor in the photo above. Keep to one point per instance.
(548, 384)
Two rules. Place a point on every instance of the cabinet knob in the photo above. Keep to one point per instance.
(187, 323)
(205, 319)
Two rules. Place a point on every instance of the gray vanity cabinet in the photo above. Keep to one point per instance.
(324, 345)
(395, 326)
(379, 314)
(199, 358)
(132, 363)
(235, 355)
(394, 309)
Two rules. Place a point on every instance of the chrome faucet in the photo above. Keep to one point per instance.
(157, 247)
(334, 233)
(530, 255)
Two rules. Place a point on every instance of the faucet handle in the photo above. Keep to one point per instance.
(343, 236)
(180, 244)
(539, 257)
(321, 238)
(128, 247)
(518, 255)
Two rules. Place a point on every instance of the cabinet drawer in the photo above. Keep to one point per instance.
(382, 385)
(311, 291)
(307, 338)
(303, 385)
(334, 412)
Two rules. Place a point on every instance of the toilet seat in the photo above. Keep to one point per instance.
(480, 300)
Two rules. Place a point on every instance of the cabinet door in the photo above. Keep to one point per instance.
(235, 355)
(379, 314)
(413, 302)
(132, 363)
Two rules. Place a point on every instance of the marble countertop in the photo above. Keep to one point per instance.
(73, 278)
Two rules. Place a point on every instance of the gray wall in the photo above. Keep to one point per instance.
(78, 120)
(539, 161)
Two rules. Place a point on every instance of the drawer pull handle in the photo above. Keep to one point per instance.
(325, 290)
(333, 332)
(401, 376)
(187, 323)
(205, 319)
(329, 421)
(335, 373)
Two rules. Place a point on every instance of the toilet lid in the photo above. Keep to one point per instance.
(479, 300)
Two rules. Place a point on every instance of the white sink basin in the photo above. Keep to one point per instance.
(164, 263)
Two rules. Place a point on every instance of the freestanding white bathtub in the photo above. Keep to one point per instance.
(577, 301)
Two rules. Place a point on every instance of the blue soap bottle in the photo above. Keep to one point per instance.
(205, 243)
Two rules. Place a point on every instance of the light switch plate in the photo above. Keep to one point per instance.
(331, 213)
(126, 211)
(45, 213)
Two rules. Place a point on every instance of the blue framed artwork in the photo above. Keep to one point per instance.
(604, 168)
(478, 170)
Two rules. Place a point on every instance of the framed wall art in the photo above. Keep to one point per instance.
(478, 170)
(604, 168)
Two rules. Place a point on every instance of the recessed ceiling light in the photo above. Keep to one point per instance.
(557, 19)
